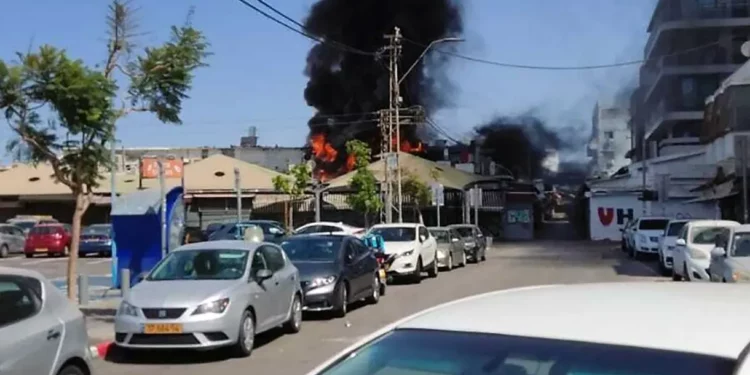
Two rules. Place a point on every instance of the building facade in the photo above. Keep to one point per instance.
(610, 139)
(693, 46)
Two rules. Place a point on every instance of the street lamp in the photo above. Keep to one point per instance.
(398, 112)
(427, 49)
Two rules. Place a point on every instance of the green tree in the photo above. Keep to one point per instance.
(365, 198)
(416, 191)
(49, 99)
(295, 187)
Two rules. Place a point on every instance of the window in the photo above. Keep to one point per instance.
(274, 257)
(683, 233)
(309, 230)
(741, 246)
(435, 352)
(201, 265)
(441, 236)
(396, 234)
(259, 263)
(675, 228)
(329, 229)
(708, 236)
(653, 224)
(423, 233)
(360, 247)
(609, 135)
(465, 231)
(312, 248)
(20, 298)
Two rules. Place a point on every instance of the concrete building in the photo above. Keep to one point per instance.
(693, 46)
(274, 158)
(610, 139)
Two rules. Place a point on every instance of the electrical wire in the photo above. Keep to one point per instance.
(539, 67)
(302, 32)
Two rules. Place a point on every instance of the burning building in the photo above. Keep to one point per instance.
(348, 76)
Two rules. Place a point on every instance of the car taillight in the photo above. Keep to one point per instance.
(57, 235)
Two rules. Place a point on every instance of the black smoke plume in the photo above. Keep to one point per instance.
(345, 87)
(522, 143)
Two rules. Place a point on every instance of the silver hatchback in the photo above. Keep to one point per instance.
(212, 294)
(41, 332)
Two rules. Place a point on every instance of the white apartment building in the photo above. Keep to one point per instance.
(610, 139)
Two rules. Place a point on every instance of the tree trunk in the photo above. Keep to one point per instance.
(291, 216)
(82, 204)
(367, 221)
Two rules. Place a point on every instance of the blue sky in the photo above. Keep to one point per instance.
(255, 75)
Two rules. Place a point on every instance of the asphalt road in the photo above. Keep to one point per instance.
(56, 268)
(508, 266)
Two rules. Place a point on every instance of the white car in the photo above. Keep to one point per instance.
(730, 259)
(325, 227)
(415, 249)
(692, 252)
(517, 332)
(667, 244)
(647, 232)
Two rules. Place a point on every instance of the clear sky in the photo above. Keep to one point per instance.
(256, 76)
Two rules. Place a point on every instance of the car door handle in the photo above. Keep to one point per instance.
(53, 335)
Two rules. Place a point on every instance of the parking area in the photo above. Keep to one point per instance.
(507, 266)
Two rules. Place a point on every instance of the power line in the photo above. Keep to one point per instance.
(539, 67)
(302, 32)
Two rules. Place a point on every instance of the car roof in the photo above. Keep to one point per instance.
(222, 245)
(741, 228)
(397, 225)
(21, 272)
(461, 226)
(708, 223)
(555, 312)
(321, 235)
(438, 228)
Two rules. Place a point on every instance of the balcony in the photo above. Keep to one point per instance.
(686, 70)
(664, 115)
(733, 13)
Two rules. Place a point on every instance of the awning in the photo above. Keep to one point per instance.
(720, 191)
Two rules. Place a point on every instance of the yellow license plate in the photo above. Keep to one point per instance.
(41, 250)
(162, 329)
(382, 273)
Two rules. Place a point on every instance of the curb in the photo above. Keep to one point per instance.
(100, 350)
(98, 311)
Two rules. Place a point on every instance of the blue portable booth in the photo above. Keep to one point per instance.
(136, 223)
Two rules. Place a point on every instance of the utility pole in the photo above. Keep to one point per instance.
(643, 174)
(391, 151)
(385, 144)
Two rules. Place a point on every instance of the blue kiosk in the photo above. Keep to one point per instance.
(136, 223)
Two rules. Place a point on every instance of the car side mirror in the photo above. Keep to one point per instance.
(718, 252)
(680, 242)
(262, 275)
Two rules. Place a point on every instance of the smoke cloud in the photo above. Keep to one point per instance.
(346, 87)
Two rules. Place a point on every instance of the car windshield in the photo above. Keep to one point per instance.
(101, 229)
(315, 249)
(741, 246)
(464, 231)
(201, 265)
(675, 228)
(25, 225)
(396, 234)
(708, 235)
(45, 229)
(653, 224)
(442, 236)
(433, 352)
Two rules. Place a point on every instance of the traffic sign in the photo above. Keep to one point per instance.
(438, 194)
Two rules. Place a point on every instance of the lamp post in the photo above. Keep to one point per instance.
(398, 113)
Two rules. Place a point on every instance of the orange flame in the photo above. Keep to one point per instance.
(322, 149)
(351, 163)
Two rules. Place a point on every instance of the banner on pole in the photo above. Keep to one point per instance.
(438, 194)
(475, 197)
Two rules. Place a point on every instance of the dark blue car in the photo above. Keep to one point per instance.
(96, 239)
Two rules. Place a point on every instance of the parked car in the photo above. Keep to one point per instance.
(329, 227)
(450, 246)
(692, 253)
(730, 259)
(28, 222)
(513, 332)
(96, 239)
(212, 228)
(12, 240)
(646, 234)
(335, 270)
(475, 244)
(272, 231)
(41, 332)
(667, 244)
(48, 239)
(212, 295)
(416, 249)
(626, 241)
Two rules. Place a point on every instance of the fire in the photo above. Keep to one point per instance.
(351, 163)
(322, 149)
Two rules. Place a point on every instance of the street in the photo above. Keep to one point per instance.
(508, 265)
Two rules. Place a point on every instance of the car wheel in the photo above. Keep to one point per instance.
(463, 259)
(675, 275)
(246, 338)
(450, 262)
(417, 275)
(375, 293)
(685, 274)
(29, 255)
(484, 255)
(433, 271)
(71, 370)
(343, 301)
(3, 251)
(294, 324)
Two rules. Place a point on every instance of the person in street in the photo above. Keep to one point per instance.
(375, 241)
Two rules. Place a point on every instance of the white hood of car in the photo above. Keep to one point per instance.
(399, 247)
(650, 233)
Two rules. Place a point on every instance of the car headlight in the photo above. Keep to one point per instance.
(697, 254)
(740, 276)
(127, 309)
(407, 253)
(215, 307)
(322, 281)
